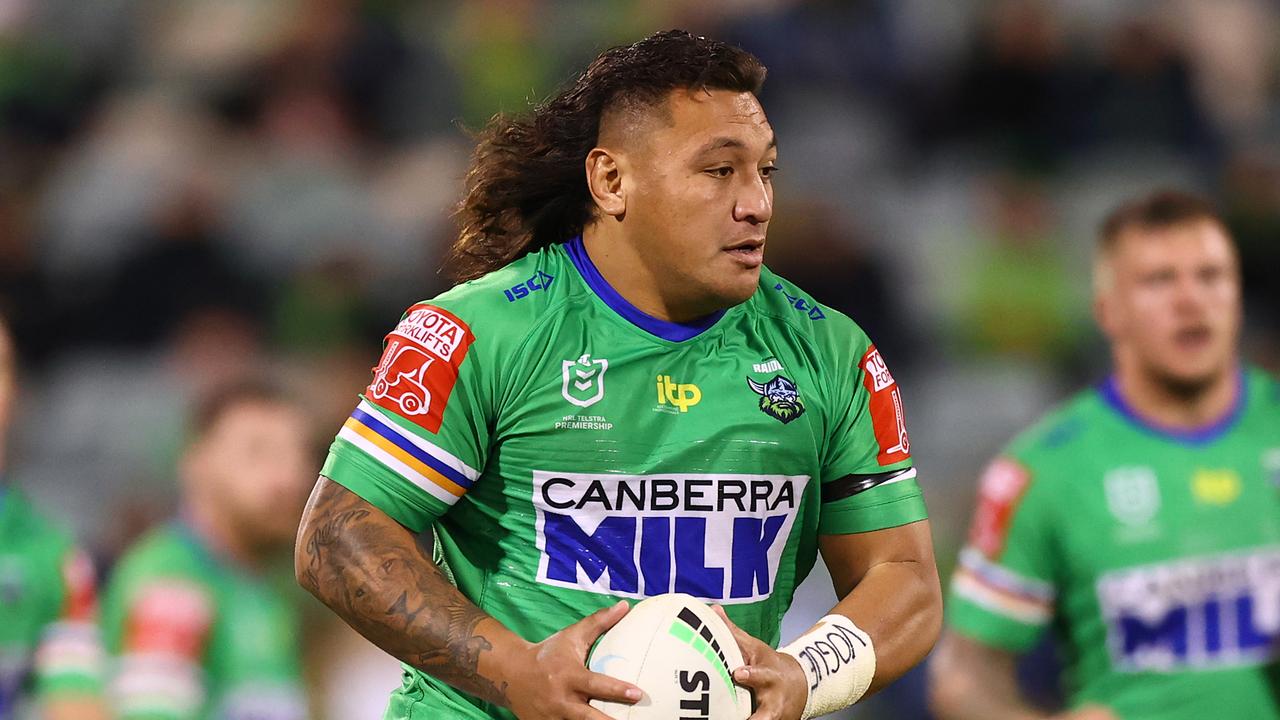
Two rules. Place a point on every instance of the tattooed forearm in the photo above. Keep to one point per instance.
(380, 578)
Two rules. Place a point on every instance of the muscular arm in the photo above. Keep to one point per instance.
(888, 584)
(379, 578)
(971, 680)
(85, 708)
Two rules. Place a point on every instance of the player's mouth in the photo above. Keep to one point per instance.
(748, 252)
(1194, 338)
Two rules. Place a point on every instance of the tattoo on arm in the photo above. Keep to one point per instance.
(381, 579)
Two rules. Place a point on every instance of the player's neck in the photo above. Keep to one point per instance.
(1178, 408)
(621, 265)
(219, 535)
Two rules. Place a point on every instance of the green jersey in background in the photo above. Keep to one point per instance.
(1155, 555)
(195, 637)
(569, 450)
(49, 643)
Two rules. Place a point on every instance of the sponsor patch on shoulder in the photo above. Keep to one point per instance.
(1001, 488)
(887, 415)
(419, 365)
(170, 616)
(81, 582)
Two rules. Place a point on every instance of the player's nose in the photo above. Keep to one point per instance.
(755, 202)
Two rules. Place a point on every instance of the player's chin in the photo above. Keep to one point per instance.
(738, 285)
(1192, 376)
(737, 296)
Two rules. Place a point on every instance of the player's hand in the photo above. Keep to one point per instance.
(1088, 712)
(549, 680)
(776, 679)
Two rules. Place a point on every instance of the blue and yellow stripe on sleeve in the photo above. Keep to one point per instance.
(422, 463)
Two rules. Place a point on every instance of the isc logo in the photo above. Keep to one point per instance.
(678, 395)
(538, 281)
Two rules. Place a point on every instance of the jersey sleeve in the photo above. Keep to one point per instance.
(868, 481)
(69, 658)
(1002, 592)
(158, 626)
(421, 429)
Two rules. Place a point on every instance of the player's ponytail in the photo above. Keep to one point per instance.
(527, 185)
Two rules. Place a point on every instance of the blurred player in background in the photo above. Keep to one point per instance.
(196, 625)
(50, 652)
(1142, 519)
(622, 402)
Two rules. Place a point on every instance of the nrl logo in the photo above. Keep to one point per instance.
(584, 380)
(779, 398)
(1133, 494)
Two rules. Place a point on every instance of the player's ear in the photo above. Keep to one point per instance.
(1104, 301)
(1104, 313)
(604, 180)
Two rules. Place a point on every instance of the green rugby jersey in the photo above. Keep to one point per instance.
(194, 637)
(49, 643)
(1155, 555)
(569, 450)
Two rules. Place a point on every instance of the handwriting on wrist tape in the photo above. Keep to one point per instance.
(829, 652)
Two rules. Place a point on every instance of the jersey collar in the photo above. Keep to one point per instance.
(1110, 392)
(674, 332)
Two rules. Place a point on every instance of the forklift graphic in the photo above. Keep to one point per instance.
(406, 389)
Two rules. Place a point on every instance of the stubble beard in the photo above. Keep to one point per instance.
(1188, 389)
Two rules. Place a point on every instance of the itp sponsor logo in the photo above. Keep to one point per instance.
(681, 396)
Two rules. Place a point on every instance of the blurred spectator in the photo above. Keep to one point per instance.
(1143, 96)
(26, 295)
(180, 268)
(1019, 299)
(195, 612)
(498, 55)
(51, 659)
(1252, 209)
(1016, 87)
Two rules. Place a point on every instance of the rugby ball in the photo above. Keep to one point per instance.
(680, 653)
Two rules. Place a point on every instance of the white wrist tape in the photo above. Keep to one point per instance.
(839, 662)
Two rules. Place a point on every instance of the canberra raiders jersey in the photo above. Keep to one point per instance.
(1155, 555)
(569, 450)
(49, 643)
(193, 637)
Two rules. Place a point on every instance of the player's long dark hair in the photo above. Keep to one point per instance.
(527, 186)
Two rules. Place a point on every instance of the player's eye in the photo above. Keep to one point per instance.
(1211, 274)
(720, 172)
(768, 171)
(1158, 278)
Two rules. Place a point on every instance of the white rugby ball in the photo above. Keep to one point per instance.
(680, 653)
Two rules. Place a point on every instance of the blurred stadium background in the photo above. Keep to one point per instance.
(193, 190)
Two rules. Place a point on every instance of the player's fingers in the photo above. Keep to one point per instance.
(757, 677)
(586, 712)
(762, 713)
(603, 687)
(598, 622)
(746, 643)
